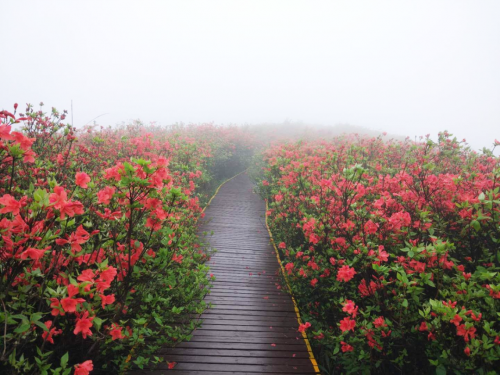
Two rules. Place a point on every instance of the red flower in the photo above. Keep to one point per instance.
(86, 275)
(114, 173)
(116, 332)
(467, 351)
(82, 179)
(350, 308)
(23, 141)
(346, 347)
(47, 335)
(303, 327)
(379, 322)
(423, 327)
(418, 266)
(105, 279)
(69, 304)
(386, 334)
(80, 236)
(289, 268)
(11, 205)
(456, 320)
(450, 304)
(5, 132)
(59, 197)
(60, 201)
(347, 324)
(35, 254)
(345, 273)
(84, 368)
(370, 227)
(476, 318)
(72, 290)
(383, 256)
(314, 282)
(108, 274)
(107, 300)
(466, 333)
(171, 365)
(55, 304)
(177, 258)
(83, 325)
(104, 196)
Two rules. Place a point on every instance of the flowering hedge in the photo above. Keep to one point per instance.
(98, 252)
(392, 250)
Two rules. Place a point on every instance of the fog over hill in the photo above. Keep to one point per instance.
(407, 68)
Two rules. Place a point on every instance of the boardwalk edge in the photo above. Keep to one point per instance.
(297, 313)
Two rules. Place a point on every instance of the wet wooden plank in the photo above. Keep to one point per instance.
(293, 348)
(222, 368)
(237, 353)
(268, 334)
(277, 314)
(244, 321)
(241, 360)
(277, 341)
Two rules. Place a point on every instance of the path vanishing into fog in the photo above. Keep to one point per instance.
(252, 326)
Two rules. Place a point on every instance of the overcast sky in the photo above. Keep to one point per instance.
(405, 67)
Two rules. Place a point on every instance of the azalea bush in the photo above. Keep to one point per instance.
(99, 261)
(392, 250)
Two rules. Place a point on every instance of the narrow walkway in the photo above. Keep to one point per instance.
(252, 326)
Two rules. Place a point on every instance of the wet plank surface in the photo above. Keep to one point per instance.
(251, 327)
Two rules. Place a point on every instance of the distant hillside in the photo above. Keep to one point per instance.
(269, 132)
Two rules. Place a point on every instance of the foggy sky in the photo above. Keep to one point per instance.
(405, 67)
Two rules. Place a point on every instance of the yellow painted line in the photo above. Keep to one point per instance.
(297, 313)
(129, 357)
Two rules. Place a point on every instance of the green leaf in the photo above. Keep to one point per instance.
(405, 303)
(129, 168)
(64, 360)
(430, 283)
(36, 316)
(441, 370)
(22, 328)
(19, 316)
(481, 197)
(140, 321)
(39, 195)
(476, 225)
(41, 325)
(97, 322)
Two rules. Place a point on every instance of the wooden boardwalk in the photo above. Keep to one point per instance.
(252, 326)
